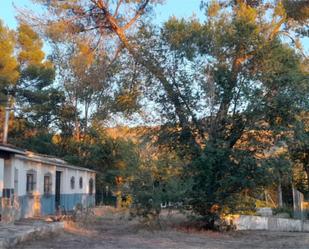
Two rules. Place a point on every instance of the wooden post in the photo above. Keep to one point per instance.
(280, 200)
(297, 203)
(302, 209)
(266, 197)
(8, 108)
(6, 125)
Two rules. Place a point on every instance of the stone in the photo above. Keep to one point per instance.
(11, 234)
(247, 222)
(49, 219)
(306, 226)
(265, 212)
(284, 225)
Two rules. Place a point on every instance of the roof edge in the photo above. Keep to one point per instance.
(26, 157)
(11, 149)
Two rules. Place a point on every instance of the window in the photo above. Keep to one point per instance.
(72, 182)
(47, 184)
(80, 182)
(91, 186)
(30, 185)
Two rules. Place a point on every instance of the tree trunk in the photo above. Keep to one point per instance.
(280, 200)
(86, 116)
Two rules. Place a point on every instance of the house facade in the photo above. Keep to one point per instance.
(36, 185)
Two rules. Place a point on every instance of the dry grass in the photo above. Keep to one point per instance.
(113, 229)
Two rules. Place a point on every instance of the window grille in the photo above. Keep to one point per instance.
(80, 182)
(30, 185)
(72, 182)
(47, 184)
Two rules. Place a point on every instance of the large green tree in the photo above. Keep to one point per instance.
(213, 82)
(236, 74)
(254, 81)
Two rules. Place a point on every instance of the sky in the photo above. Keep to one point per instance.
(180, 8)
(8, 11)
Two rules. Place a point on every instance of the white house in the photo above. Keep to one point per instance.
(35, 185)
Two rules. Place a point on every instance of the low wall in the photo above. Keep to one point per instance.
(246, 222)
(21, 233)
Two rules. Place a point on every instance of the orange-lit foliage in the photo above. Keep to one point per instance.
(8, 64)
(31, 46)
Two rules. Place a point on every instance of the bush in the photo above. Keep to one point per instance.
(286, 210)
(224, 182)
(152, 183)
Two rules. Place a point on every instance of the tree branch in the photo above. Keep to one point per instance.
(117, 8)
(139, 12)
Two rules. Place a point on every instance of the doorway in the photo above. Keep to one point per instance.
(57, 189)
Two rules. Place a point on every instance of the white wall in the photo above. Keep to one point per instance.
(66, 176)
(1, 175)
(8, 174)
(23, 166)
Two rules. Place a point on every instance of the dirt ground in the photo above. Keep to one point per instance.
(114, 231)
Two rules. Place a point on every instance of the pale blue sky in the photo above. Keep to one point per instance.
(8, 12)
(180, 8)
(171, 7)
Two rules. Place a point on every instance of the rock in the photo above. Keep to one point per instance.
(265, 212)
(49, 219)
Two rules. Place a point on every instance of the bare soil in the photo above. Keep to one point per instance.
(116, 231)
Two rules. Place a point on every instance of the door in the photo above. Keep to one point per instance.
(57, 190)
